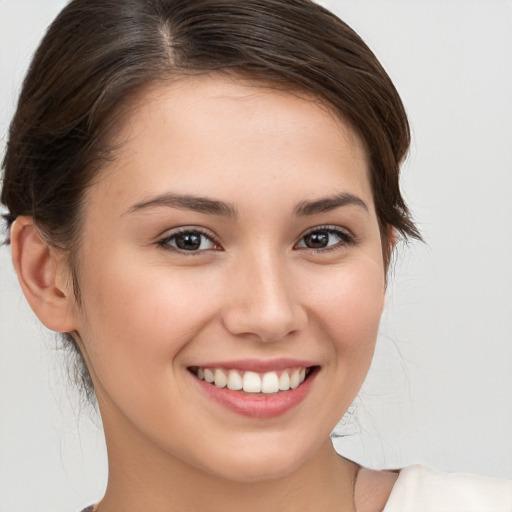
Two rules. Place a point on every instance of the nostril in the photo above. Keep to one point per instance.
(266, 326)
(262, 303)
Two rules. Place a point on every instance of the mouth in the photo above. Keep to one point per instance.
(256, 388)
(254, 383)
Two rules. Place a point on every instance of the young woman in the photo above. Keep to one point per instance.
(203, 198)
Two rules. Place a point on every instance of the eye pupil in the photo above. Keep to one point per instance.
(188, 241)
(317, 240)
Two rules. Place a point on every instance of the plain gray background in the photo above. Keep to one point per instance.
(440, 389)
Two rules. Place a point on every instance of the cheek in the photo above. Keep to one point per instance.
(350, 307)
(136, 322)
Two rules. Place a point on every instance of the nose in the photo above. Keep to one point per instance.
(261, 301)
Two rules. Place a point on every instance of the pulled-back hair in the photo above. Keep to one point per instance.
(99, 53)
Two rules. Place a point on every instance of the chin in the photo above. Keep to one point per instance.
(262, 465)
(260, 472)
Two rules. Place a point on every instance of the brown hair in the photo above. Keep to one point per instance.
(97, 53)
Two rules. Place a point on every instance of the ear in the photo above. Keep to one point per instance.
(392, 239)
(389, 242)
(42, 273)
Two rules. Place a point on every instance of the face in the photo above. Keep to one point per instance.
(233, 238)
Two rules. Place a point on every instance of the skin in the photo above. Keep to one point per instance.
(254, 290)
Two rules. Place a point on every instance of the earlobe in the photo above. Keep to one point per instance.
(392, 240)
(40, 269)
(389, 241)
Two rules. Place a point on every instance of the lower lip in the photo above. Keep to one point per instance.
(258, 405)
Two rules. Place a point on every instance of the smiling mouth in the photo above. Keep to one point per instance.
(267, 383)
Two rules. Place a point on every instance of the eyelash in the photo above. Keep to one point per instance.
(164, 243)
(346, 239)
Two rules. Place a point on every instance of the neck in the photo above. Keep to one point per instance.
(143, 478)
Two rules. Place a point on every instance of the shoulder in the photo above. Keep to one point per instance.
(373, 488)
(429, 490)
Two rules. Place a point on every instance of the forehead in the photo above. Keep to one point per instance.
(209, 130)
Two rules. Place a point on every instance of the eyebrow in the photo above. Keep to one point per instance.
(187, 202)
(327, 204)
(216, 207)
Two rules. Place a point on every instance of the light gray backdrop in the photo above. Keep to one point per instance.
(440, 390)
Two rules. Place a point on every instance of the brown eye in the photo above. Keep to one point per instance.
(325, 238)
(317, 240)
(190, 241)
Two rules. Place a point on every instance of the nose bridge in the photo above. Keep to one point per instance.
(262, 302)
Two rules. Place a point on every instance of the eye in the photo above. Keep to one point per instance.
(325, 237)
(188, 240)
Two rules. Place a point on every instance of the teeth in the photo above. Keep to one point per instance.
(284, 381)
(295, 379)
(270, 383)
(252, 382)
(220, 378)
(234, 380)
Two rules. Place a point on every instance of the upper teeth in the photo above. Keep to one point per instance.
(252, 382)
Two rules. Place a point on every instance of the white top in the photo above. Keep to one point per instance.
(421, 489)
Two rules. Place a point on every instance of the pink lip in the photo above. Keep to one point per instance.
(260, 365)
(257, 405)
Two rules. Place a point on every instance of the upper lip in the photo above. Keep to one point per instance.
(259, 365)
